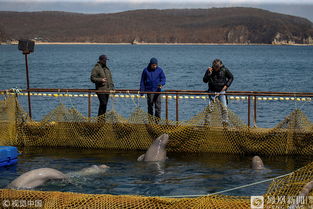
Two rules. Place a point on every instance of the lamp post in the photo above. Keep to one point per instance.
(27, 46)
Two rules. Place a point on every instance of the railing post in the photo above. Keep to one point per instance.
(177, 118)
(254, 114)
(249, 110)
(89, 105)
(166, 107)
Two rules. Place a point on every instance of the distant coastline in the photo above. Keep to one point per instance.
(245, 26)
(94, 43)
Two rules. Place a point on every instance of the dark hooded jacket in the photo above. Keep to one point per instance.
(218, 79)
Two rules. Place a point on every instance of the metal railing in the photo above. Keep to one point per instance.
(251, 95)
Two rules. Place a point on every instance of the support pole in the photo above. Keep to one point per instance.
(27, 80)
(177, 118)
(249, 110)
(254, 114)
(166, 107)
(89, 105)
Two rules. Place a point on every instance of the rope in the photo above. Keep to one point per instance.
(273, 99)
(15, 90)
(138, 99)
(112, 92)
(60, 99)
(295, 101)
(228, 190)
(70, 101)
(133, 100)
(305, 102)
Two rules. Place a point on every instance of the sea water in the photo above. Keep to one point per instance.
(182, 174)
(255, 68)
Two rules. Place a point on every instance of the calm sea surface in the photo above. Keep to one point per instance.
(255, 68)
(182, 174)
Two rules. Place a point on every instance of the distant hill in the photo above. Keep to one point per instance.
(216, 25)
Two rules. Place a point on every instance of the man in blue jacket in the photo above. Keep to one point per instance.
(153, 79)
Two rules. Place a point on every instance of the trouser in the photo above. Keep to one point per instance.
(103, 99)
(222, 98)
(154, 99)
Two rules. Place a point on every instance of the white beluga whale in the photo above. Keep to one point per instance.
(94, 169)
(156, 151)
(38, 177)
(257, 163)
(35, 178)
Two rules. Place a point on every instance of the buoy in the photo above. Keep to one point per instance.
(8, 155)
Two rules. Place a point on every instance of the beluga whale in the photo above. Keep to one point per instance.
(38, 177)
(156, 151)
(257, 163)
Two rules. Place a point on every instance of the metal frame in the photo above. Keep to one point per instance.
(250, 95)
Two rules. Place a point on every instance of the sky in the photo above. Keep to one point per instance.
(301, 8)
(141, 1)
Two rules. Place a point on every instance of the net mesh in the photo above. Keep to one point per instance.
(205, 132)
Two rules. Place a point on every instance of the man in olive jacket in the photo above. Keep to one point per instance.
(102, 77)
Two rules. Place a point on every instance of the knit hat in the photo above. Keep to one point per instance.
(103, 57)
(153, 61)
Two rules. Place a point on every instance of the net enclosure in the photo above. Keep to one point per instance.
(204, 132)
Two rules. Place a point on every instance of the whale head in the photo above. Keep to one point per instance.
(257, 163)
(163, 139)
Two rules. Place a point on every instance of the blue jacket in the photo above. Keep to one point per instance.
(151, 79)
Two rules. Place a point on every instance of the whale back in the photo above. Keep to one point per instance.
(36, 177)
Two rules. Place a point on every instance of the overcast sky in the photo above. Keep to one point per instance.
(302, 8)
(173, 1)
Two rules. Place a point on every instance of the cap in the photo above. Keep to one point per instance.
(103, 57)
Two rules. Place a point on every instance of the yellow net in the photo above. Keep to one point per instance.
(8, 110)
(205, 132)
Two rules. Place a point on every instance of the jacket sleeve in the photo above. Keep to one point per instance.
(230, 77)
(162, 78)
(94, 76)
(142, 81)
(206, 76)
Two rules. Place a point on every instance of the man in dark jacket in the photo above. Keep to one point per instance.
(101, 76)
(219, 79)
(153, 79)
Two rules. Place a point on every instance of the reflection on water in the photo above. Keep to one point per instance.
(181, 174)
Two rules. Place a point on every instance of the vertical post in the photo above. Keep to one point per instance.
(27, 80)
(254, 114)
(249, 110)
(177, 118)
(166, 107)
(89, 105)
